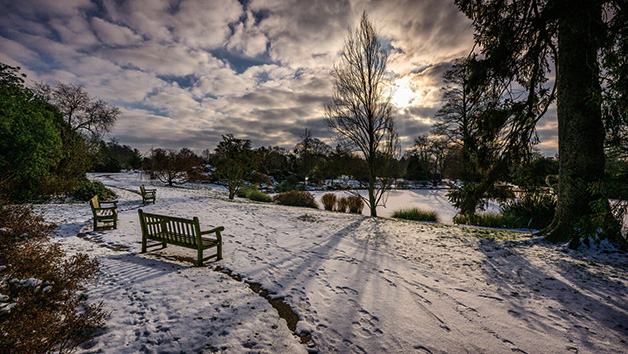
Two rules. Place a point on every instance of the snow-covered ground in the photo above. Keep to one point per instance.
(357, 284)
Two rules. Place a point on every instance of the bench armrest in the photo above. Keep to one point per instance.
(219, 228)
(114, 202)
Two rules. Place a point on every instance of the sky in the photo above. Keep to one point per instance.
(184, 72)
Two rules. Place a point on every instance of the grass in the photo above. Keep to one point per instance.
(260, 196)
(498, 220)
(502, 235)
(245, 191)
(416, 214)
(252, 193)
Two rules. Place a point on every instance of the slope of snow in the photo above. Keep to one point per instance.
(358, 284)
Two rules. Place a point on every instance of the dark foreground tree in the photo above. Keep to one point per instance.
(40, 155)
(360, 112)
(519, 40)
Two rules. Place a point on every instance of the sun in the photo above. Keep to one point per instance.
(403, 96)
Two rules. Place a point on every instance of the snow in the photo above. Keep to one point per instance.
(357, 284)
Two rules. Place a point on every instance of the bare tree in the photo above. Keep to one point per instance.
(170, 166)
(83, 113)
(360, 111)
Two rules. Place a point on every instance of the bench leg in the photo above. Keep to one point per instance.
(199, 261)
(143, 244)
(219, 247)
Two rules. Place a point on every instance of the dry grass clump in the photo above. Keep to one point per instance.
(342, 205)
(355, 203)
(329, 201)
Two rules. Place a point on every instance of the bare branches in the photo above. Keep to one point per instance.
(360, 112)
(83, 113)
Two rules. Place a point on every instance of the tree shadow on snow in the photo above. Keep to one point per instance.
(584, 298)
(130, 268)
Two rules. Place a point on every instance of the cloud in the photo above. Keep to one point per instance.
(186, 72)
(198, 24)
(114, 35)
(248, 38)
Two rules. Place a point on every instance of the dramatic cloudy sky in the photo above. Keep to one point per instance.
(184, 72)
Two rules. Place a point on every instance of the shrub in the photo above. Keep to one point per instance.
(289, 184)
(40, 154)
(260, 196)
(42, 304)
(287, 187)
(252, 193)
(532, 210)
(86, 190)
(355, 203)
(296, 198)
(342, 205)
(110, 164)
(416, 214)
(245, 191)
(488, 220)
(260, 178)
(329, 201)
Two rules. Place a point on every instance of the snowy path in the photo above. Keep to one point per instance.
(357, 284)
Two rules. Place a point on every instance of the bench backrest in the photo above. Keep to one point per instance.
(169, 228)
(94, 202)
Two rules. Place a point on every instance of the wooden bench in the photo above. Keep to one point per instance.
(148, 195)
(181, 232)
(107, 216)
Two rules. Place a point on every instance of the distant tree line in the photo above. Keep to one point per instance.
(312, 162)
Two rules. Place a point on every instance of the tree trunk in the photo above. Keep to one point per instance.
(372, 180)
(580, 127)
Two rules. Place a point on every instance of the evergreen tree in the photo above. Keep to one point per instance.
(40, 155)
(519, 40)
(234, 160)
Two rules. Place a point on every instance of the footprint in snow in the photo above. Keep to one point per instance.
(346, 290)
(422, 350)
